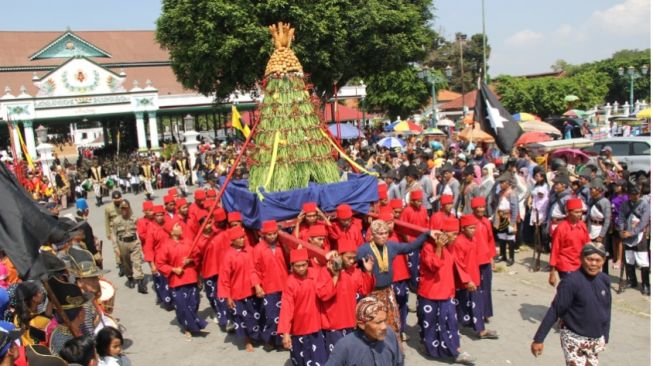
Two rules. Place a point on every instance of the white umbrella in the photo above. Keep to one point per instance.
(391, 142)
(446, 123)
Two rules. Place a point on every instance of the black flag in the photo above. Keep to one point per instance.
(495, 120)
(24, 226)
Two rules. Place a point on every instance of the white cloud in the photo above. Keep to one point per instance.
(632, 17)
(523, 38)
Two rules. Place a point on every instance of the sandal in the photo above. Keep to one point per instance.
(489, 334)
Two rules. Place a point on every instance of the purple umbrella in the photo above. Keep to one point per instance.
(571, 156)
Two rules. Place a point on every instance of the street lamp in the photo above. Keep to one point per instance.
(45, 151)
(632, 75)
(433, 78)
(189, 123)
(461, 39)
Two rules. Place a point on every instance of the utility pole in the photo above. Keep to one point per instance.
(461, 38)
(485, 79)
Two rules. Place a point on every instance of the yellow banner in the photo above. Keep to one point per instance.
(28, 157)
(349, 160)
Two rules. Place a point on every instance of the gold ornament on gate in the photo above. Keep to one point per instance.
(283, 60)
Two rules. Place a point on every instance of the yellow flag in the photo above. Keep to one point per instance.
(235, 122)
(30, 163)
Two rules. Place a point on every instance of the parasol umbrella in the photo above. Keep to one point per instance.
(539, 126)
(572, 156)
(475, 134)
(522, 116)
(446, 123)
(532, 137)
(407, 127)
(644, 113)
(391, 142)
(575, 113)
(433, 131)
(390, 127)
(571, 98)
(347, 131)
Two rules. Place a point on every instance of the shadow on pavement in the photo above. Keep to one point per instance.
(532, 313)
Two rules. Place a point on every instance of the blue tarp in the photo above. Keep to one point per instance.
(358, 191)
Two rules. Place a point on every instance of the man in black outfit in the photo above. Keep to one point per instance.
(583, 303)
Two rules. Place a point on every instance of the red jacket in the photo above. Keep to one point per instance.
(237, 275)
(567, 243)
(142, 227)
(339, 301)
(194, 214)
(415, 216)
(353, 232)
(463, 249)
(153, 240)
(172, 255)
(300, 306)
(270, 267)
(438, 218)
(436, 274)
(484, 239)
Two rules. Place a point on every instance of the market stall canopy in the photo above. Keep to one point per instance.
(475, 134)
(576, 113)
(532, 137)
(433, 131)
(571, 98)
(391, 142)
(347, 131)
(343, 113)
(523, 116)
(407, 127)
(570, 155)
(539, 126)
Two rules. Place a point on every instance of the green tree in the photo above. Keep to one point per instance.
(619, 87)
(397, 93)
(445, 53)
(545, 96)
(218, 46)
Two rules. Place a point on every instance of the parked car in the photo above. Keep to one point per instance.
(635, 152)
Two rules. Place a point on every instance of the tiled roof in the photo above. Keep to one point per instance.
(135, 52)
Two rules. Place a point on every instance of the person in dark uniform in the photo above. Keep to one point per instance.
(582, 303)
(633, 226)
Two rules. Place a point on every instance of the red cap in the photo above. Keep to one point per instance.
(235, 233)
(446, 199)
(200, 194)
(180, 202)
(383, 192)
(478, 202)
(269, 226)
(168, 225)
(219, 214)
(574, 204)
(343, 211)
(234, 216)
(147, 205)
(468, 220)
(208, 203)
(396, 203)
(158, 209)
(211, 193)
(317, 230)
(346, 245)
(298, 255)
(172, 191)
(167, 199)
(450, 225)
(309, 207)
(416, 195)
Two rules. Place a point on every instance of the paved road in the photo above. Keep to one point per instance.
(520, 300)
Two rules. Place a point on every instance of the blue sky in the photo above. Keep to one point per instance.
(526, 36)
